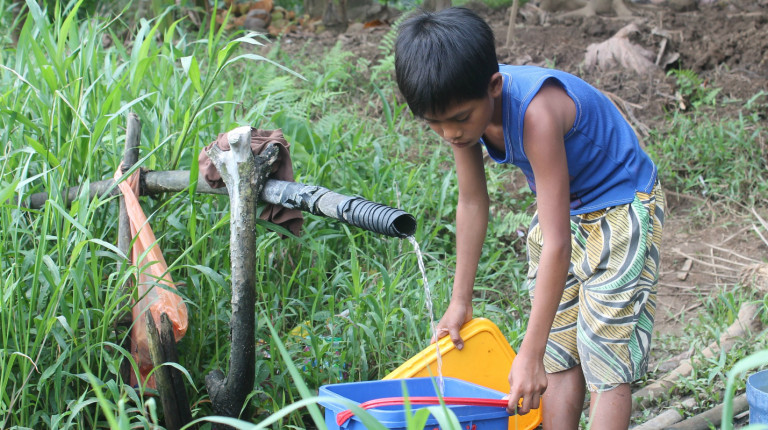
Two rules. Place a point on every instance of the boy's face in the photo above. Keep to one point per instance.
(464, 123)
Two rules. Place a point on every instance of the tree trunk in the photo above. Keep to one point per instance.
(436, 5)
(244, 176)
(335, 16)
(512, 18)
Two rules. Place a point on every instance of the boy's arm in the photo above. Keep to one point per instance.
(471, 225)
(548, 118)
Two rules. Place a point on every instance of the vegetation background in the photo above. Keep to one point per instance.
(347, 305)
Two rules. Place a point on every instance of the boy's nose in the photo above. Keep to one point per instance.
(452, 133)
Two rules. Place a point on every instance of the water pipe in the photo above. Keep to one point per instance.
(355, 211)
(314, 199)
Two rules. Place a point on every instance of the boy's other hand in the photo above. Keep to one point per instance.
(527, 381)
(455, 316)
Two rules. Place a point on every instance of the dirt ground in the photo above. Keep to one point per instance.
(725, 43)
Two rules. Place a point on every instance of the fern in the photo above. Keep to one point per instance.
(386, 64)
(692, 88)
(511, 222)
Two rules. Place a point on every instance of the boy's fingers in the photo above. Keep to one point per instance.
(513, 404)
(529, 402)
(439, 332)
(456, 339)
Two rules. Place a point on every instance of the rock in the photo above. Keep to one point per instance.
(262, 14)
(277, 15)
(355, 28)
(255, 23)
(683, 5)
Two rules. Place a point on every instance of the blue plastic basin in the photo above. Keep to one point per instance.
(757, 397)
(393, 417)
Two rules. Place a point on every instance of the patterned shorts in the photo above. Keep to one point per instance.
(605, 318)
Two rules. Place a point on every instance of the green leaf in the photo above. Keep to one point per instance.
(44, 152)
(65, 27)
(37, 13)
(314, 411)
(127, 106)
(46, 71)
(445, 417)
(16, 116)
(69, 218)
(193, 71)
(139, 72)
(248, 38)
(7, 192)
(103, 403)
(419, 419)
(20, 78)
(223, 54)
(171, 29)
(255, 57)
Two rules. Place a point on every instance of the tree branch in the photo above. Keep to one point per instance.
(244, 176)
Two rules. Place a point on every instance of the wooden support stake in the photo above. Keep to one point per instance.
(244, 176)
(162, 374)
(124, 237)
(168, 343)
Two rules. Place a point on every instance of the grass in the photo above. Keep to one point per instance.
(64, 96)
(65, 89)
(712, 154)
(715, 149)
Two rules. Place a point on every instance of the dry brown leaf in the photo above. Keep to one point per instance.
(620, 51)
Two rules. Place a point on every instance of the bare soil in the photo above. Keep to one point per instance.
(726, 44)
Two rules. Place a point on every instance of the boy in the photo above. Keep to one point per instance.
(593, 244)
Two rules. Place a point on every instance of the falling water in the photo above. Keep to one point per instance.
(432, 325)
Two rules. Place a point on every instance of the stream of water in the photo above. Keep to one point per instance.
(432, 325)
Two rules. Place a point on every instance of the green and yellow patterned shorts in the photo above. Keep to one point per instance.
(605, 318)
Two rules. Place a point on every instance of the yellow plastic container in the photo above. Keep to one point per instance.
(485, 360)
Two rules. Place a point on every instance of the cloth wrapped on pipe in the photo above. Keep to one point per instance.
(291, 219)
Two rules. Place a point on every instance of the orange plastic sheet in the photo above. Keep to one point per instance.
(156, 289)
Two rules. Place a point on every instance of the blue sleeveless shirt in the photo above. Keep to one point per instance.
(605, 162)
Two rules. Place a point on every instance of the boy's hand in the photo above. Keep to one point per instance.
(527, 380)
(455, 317)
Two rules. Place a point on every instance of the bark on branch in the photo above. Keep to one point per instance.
(130, 157)
(244, 176)
(747, 322)
(711, 418)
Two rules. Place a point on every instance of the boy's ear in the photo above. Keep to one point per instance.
(495, 85)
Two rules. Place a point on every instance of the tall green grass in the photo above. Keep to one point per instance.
(65, 90)
(718, 149)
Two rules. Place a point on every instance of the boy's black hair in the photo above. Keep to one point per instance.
(442, 58)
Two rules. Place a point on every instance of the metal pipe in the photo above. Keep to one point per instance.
(314, 199)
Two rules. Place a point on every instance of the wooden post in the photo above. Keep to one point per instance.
(170, 354)
(163, 379)
(162, 349)
(512, 19)
(124, 237)
(244, 176)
